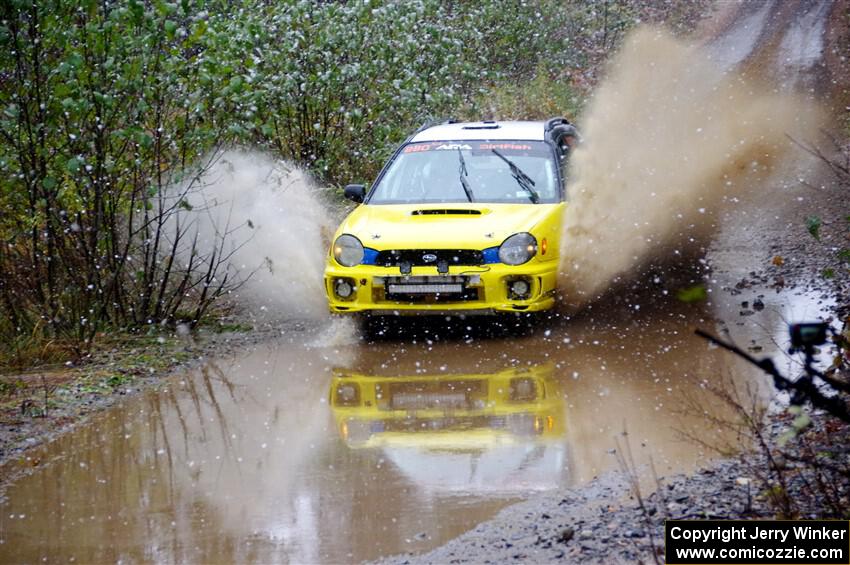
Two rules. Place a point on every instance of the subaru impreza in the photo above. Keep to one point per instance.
(465, 218)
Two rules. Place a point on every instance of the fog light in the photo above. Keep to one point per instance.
(520, 288)
(356, 431)
(523, 390)
(343, 288)
(347, 394)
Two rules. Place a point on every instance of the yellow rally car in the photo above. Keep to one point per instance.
(465, 218)
(462, 433)
(517, 405)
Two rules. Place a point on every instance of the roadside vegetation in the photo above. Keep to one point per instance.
(794, 453)
(793, 450)
(803, 463)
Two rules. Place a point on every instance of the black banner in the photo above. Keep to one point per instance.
(763, 542)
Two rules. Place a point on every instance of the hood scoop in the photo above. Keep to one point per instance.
(446, 212)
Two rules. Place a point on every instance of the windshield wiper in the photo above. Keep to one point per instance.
(523, 180)
(463, 174)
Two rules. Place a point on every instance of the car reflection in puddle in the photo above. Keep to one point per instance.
(500, 432)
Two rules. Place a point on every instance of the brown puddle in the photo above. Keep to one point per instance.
(346, 451)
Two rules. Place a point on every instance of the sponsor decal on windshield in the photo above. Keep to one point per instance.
(467, 146)
(452, 147)
(509, 146)
(417, 147)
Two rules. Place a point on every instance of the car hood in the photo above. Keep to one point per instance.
(442, 226)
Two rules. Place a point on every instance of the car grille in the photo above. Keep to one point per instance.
(420, 257)
(447, 423)
(430, 395)
(422, 296)
(427, 289)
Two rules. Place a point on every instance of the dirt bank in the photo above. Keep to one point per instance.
(605, 522)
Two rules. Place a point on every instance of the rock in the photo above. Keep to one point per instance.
(758, 305)
(585, 534)
(566, 535)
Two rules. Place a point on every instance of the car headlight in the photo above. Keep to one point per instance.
(348, 251)
(518, 249)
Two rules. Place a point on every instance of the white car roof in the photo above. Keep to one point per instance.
(530, 131)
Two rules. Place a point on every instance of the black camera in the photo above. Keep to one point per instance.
(808, 335)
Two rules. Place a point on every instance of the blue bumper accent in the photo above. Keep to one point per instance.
(491, 255)
(370, 256)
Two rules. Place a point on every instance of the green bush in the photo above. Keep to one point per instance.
(546, 94)
(335, 86)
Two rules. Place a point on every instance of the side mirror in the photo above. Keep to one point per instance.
(355, 192)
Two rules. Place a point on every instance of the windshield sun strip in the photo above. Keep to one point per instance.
(557, 196)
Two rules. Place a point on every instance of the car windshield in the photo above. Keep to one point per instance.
(518, 172)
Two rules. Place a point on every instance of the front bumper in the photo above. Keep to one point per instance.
(485, 289)
(456, 411)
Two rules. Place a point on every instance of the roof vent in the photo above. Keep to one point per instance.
(483, 125)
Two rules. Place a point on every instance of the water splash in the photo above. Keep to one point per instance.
(340, 332)
(278, 231)
(671, 140)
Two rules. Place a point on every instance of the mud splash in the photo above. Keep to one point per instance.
(277, 227)
(671, 141)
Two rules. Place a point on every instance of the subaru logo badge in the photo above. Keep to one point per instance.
(429, 257)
